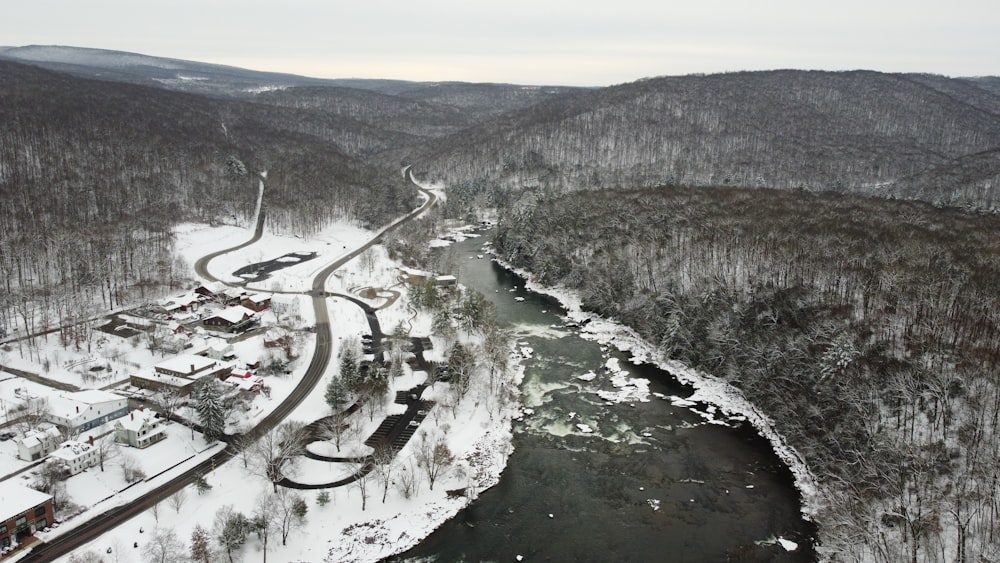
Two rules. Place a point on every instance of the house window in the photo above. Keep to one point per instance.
(40, 511)
(3, 528)
(20, 521)
(41, 523)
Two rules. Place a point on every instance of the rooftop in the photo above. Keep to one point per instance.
(71, 449)
(186, 363)
(136, 419)
(16, 498)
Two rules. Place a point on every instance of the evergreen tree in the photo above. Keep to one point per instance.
(211, 412)
(349, 372)
(336, 394)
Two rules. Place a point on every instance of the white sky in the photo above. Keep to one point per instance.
(580, 42)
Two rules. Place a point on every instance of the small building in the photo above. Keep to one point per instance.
(140, 429)
(446, 281)
(231, 319)
(246, 383)
(220, 350)
(38, 443)
(180, 304)
(83, 410)
(75, 456)
(210, 290)
(188, 365)
(232, 295)
(153, 381)
(256, 301)
(276, 338)
(179, 374)
(22, 512)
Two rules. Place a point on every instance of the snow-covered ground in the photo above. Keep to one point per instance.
(339, 531)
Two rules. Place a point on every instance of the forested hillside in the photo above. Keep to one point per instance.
(867, 328)
(922, 137)
(93, 175)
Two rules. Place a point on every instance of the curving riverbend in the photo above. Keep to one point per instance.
(605, 468)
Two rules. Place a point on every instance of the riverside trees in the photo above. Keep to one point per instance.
(866, 328)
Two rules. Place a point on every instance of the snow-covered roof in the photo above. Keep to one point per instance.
(257, 297)
(234, 314)
(95, 396)
(171, 380)
(16, 498)
(136, 419)
(67, 405)
(70, 450)
(34, 437)
(233, 292)
(185, 363)
(214, 287)
(245, 384)
(181, 300)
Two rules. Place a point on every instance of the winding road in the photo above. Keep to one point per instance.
(317, 367)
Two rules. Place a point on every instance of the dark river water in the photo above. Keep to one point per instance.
(640, 481)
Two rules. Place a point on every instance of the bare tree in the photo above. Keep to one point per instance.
(434, 456)
(290, 509)
(263, 520)
(361, 483)
(177, 500)
(107, 449)
(384, 460)
(33, 411)
(277, 451)
(337, 427)
(406, 480)
(164, 547)
(131, 471)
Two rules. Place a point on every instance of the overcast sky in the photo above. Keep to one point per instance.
(580, 42)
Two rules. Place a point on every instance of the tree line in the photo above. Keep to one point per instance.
(867, 328)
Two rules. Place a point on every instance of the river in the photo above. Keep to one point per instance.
(599, 477)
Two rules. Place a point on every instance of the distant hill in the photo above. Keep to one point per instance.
(866, 132)
(475, 102)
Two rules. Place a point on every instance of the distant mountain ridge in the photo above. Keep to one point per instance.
(228, 81)
(866, 132)
(915, 136)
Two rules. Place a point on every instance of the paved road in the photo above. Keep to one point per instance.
(317, 367)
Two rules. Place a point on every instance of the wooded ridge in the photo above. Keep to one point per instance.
(912, 136)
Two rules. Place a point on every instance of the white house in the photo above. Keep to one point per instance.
(139, 429)
(83, 410)
(76, 456)
(38, 443)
